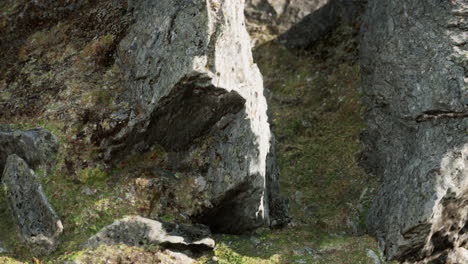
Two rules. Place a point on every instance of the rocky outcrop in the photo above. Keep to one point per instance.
(195, 90)
(37, 147)
(139, 231)
(280, 15)
(38, 223)
(298, 23)
(414, 65)
(322, 21)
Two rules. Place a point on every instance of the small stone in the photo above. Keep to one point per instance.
(306, 124)
(298, 196)
(200, 184)
(375, 257)
(310, 209)
(299, 252)
(2, 249)
(255, 241)
(312, 252)
(215, 259)
(87, 191)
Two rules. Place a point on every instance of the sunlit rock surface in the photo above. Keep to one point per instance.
(195, 90)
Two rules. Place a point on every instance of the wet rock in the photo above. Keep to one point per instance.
(139, 231)
(414, 68)
(38, 223)
(38, 147)
(196, 92)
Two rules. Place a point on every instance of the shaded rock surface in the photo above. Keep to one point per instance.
(38, 223)
(195, 90)
(37, 147)
(322, 21)
(300, 22)
(139, 231)
(280, 15)
(414, 63)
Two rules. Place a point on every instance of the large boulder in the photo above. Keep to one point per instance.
(139, 231)
(38, 223)
(194, 89)
(38, 147)
(322, 21)
(414, 66)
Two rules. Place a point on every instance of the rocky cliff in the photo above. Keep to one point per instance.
(120, 80)
(414, 64)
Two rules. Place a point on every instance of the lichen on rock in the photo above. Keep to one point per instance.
(140, 231)
(190, 76)
(414, 76)
(38, 223)
(38, 147)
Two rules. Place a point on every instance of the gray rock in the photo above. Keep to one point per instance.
(280, 15)
(38, 147)
(300, 22)
(298, 197)
(255, 241)
(299, 252)
(139, 231)
(320, 22)
(312, 252)
(414, 66)
(2, 248)
(195, 89)
(38, 223)
(376, 259)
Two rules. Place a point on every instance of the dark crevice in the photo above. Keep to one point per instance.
(440, 242)
(434, 115)
(222, 218)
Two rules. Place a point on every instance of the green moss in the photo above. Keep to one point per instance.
(9, 234)
(92, 176)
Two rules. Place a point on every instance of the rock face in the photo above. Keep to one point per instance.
(300, 22)
(37, 221)
(37, 147)
(195, 90)
(414, 65)
(281, 15)
(320, 22)
(139, 231)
